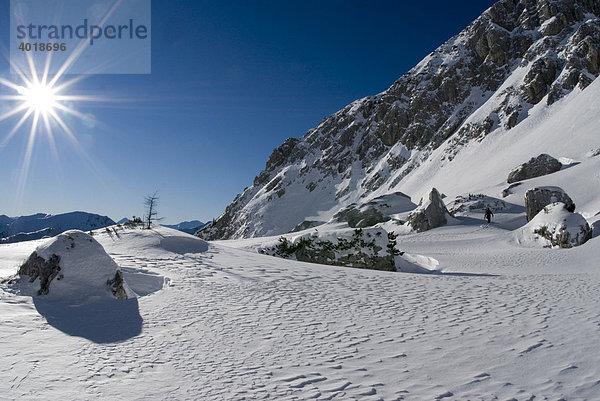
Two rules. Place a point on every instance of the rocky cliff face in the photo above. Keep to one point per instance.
(516, 55)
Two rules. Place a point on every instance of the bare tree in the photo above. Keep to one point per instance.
(151, 203)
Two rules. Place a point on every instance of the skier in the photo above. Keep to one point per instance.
(488, 214)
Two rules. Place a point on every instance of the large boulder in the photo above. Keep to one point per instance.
(359, 217)
(538, 198)
(556, 226)
(375, 211)
(536, 167)
(73, 266)
(430, 214)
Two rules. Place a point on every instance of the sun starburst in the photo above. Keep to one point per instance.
(39, 97)
(43, 100)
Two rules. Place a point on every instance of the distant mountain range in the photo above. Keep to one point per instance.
(189, 227)
(36, 226)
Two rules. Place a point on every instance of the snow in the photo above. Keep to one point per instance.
(10, 226)
(498, 320)
(183, 245)
(556, 219)
(567, 130)
(408, 263)
(85, 269)
(499, 316)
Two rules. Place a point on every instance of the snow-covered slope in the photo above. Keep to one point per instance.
(515, 83)
(567, 130)
(219, 323)
(24, 228)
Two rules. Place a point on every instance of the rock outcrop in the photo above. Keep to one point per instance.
(117, 285)
(430, 214)
(538, 198)
(37, 267)
(536, 167)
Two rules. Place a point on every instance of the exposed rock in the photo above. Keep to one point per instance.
(536, 167)
(306, 224)
(430, 214)
(116, 286)
(37, 267)
(507, 191)
(594, 153)
(538, 198)
(560, 226)
(539, 78)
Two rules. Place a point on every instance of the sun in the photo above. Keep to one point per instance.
(39, 98)
(45, 102)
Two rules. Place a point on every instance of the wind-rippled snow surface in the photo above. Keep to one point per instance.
(230, 325)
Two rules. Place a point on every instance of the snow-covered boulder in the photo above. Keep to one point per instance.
(360, 217)
(536, 167)
(73, 266)
(430, 214)
(538, 198)
(463, 205)
(556, 226)
(375, 211)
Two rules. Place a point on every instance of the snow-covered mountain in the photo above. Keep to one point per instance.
(189, 227)
(25, 228)
(515, 83)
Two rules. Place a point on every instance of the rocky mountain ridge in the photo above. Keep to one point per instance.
(517, 56)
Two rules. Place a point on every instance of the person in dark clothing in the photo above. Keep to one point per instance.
(488, 214)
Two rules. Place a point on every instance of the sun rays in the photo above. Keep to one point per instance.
(40, 101)
(41, 107)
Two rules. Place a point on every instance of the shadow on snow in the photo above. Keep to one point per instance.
(105, 321)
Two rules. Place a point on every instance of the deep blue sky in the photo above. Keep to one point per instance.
(230, 81)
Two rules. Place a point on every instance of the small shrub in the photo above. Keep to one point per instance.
(392, 243)
(543, 231)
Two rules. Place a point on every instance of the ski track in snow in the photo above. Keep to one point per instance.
(230, 325)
